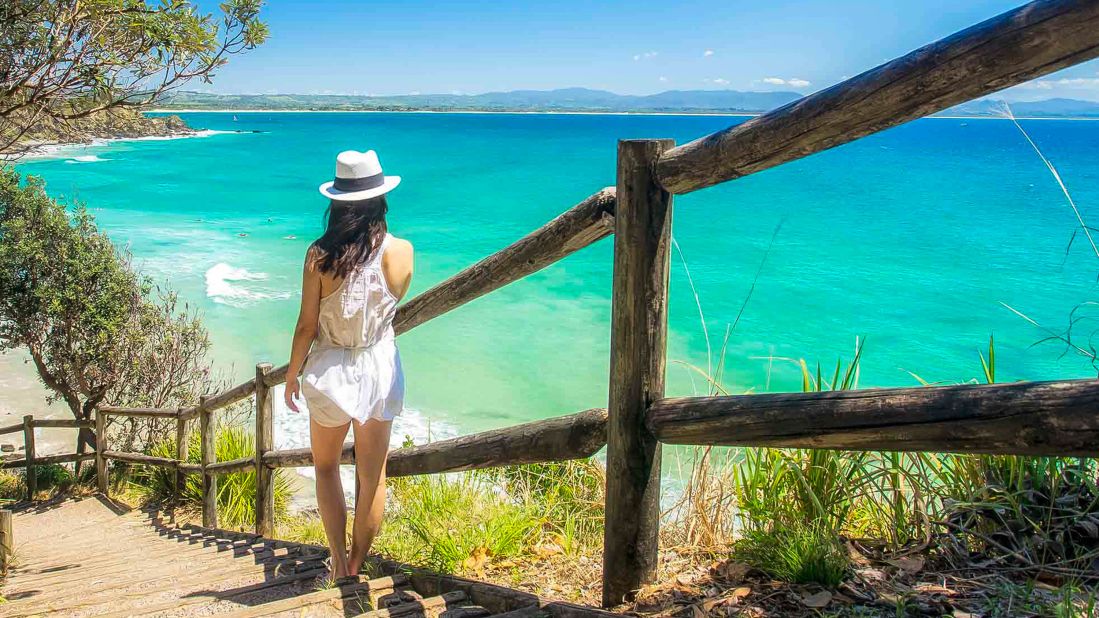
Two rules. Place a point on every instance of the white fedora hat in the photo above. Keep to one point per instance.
(358, 177)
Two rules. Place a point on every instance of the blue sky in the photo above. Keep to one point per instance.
(634, 47)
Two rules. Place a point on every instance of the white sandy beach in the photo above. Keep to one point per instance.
(21, 394)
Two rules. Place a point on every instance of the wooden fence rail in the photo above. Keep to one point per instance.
(31, 459)
(1045, 418)
(556, 439)
(1023, 418)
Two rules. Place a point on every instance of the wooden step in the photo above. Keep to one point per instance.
(208, 596)
(431, 607)
(356, 592)
(102, 590)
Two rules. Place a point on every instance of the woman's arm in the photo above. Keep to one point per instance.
(306, 330)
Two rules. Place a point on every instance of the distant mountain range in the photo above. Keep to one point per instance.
(583, 100)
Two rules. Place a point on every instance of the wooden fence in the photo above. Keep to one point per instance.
(30, 459)
(1050, 418)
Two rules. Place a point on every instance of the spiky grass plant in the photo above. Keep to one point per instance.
(236, 496)
(801, 552)
(451, 524)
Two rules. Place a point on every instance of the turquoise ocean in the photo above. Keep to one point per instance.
(911, 241)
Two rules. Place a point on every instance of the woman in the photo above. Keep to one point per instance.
(354, 275)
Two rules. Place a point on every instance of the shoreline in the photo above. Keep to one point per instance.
(552, 113)
(58, 150)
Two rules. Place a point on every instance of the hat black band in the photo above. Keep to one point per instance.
(358, 184)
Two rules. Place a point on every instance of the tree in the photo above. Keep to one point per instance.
(63, 60)
(95, 329)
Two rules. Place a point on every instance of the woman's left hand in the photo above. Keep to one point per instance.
(293, 390)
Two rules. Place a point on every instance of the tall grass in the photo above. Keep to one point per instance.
(236, 495)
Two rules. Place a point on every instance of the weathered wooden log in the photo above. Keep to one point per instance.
(243, 464)
(183, 447)
(140, 458)
(240, 392)
(190, 468)
(11, 429)
(1016, 46)
(64, 423)
(265, 441)
(101, 445)
(207, 439)
(28, 442)
(140, 412)
(47, 460)
(7, 541)
(576, 228)
(566, 437)
(639, 326)
(1022, 418)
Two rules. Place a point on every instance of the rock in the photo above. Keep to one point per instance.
(112, 124)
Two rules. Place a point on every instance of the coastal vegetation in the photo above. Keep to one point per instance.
(95, 329)
(65, 60)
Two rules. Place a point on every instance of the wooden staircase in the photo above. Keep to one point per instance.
(91, 557)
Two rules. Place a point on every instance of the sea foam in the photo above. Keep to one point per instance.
(85, 159)
(228, 285)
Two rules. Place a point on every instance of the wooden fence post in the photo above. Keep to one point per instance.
(183, 449)
(639, 316)
(265, 441)
(28, 444)
(209, 456)
(101, 478)
(7, 542)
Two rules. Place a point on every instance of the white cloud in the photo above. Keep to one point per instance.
(645, 56)
(662, 78)
(707, 53)
(796, 82)
(718, 81)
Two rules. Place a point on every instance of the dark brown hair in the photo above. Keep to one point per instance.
(353, 233)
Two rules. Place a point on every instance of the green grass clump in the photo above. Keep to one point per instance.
(236, 495)
(802, 554)
(450, 523)
(566, 496)
(302, 528)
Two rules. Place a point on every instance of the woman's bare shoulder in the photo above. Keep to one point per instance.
(399, 247)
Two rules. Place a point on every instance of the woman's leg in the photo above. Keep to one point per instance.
(371, 448)
(327, 445)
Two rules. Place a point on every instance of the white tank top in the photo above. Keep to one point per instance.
(354, 362)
